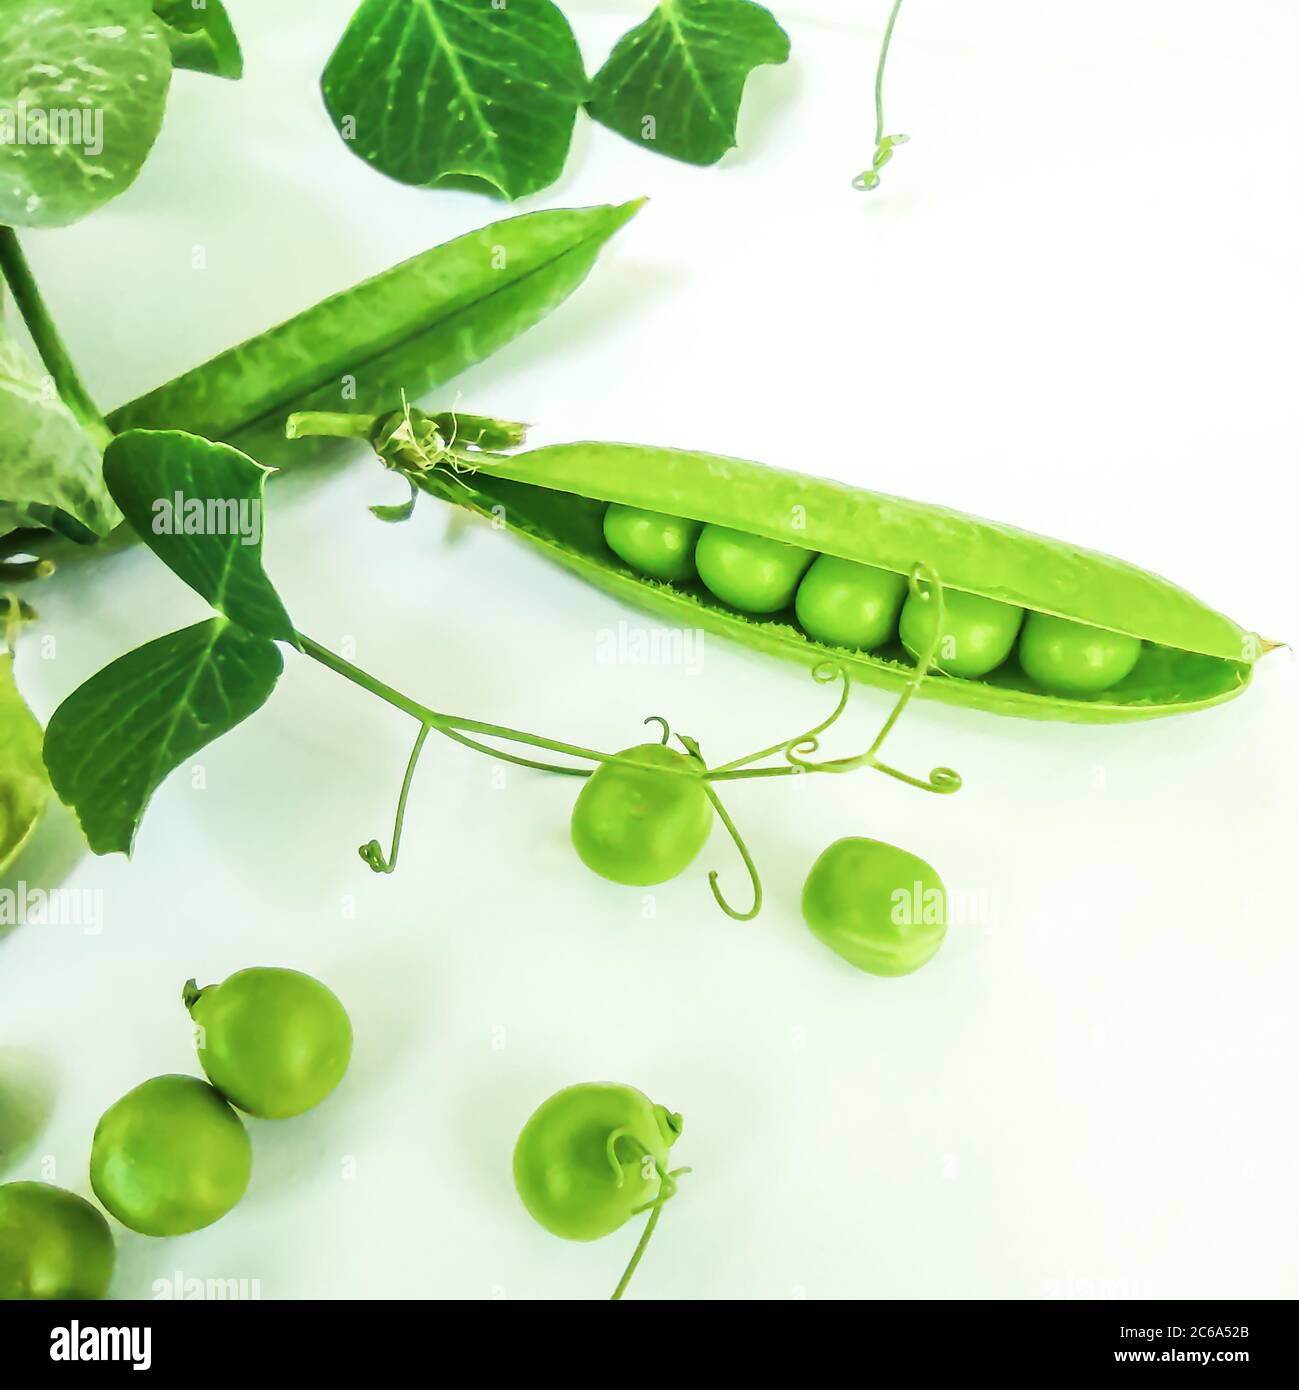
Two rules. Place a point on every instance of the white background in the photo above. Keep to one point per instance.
(1071, 306)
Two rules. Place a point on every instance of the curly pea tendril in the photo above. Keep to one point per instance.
(884, 144)
(796, 754)
(667, 1190)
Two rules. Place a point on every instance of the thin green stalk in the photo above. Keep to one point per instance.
(437, 720)
(884, 144)
(373, 852)
(636, 1254)
(879, 71)
(54, 353)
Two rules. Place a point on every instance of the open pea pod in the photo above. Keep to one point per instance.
(1191, 656)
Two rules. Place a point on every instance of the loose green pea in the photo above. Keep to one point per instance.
(881, 908)
(273, 1042)
(591, 1156)
(653, 543)
(1069, 658)
(170, 1157)
(750, 573)
(53, 1244)
(978, 633)
(846, 604)
(643, 816)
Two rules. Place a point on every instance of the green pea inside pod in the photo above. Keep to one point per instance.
(53, 1244)
(643, 815)
(751, 573)
(1069, 658)
(846, 604)
(592, 1157)
(274, 1042)
(653, 543)
(977, 635)
(882, 909)
(170, 1157)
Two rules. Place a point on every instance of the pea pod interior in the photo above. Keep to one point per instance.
(1192, 657)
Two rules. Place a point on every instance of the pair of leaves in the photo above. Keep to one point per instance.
(83, 89)
(429, 91)
(409, 329)
(49, 466)
(113, 741)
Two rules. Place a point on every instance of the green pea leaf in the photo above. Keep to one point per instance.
(425, 90)
(674, 83)
(199, 507)
(409, 329)
(50, 472)
(114, 740)
(24, 786)
(201, 37)
(83, 85)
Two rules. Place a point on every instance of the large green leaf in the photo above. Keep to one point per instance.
(424, 90)
(23, 784)
(83, 85)
(113, 741)
(410, 329)
(674, 83)
(49, 466)
(201, 36)
(198, 506)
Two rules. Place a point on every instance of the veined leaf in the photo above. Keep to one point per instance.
(409, 329)
(24, 786)
(423, 90)
(198, 506)
(49, 466)
(201, 37)
(113, 741)
(83, 85)
(674, 83)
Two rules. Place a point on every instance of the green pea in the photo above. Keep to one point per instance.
(643, 816)
(846, 604)
(592, 1156)
(170, 1157)
(882, 909)
(748, 572)
(978, 633)
(273, 1042)
(53, 1244)
(653, 543)
(1069, 658)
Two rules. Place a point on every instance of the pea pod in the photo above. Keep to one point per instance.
(1191, 656)
(410, 328)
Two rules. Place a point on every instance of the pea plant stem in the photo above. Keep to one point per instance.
(879, 71)
(636, 1254)
(449, 724)
(54, 353)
